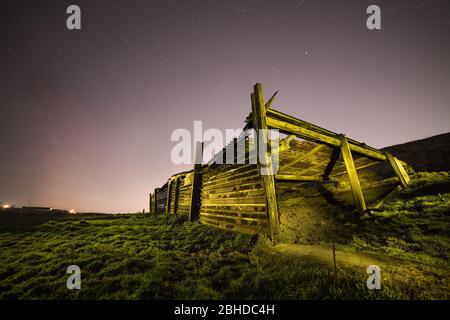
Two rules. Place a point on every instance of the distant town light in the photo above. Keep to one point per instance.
(72, 211)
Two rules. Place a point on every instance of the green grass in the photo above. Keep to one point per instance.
(167, 257)
(414, 224)
(132, 257)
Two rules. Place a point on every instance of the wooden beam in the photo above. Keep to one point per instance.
(295, 177)
(176, 196)
(239, 204)
(238, 218)
(398, 169)
(196, 183)
(313, 166)
(262, 138)
(290, 119)
(150, 202)
(155, 202)
(353, 175)
(169, 193)
(301, 132)
(357, 168)
(268, 104)
(284, 143)
(288, 124)
(305, 156)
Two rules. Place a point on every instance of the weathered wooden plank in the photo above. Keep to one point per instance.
(312, 168)
(295, 177)
(237, 201)
(218, 170)
(224, 169)
(238, 219)
(353, 175)
(150, 208)
(371, 194)
(372, 152)
(196, 183)
(231, 176)
(177, 195)
(300, 131)
(235, 207)
(366, 165)
(232, 227)
(305, 156)
(155, 202)
(270, 101)
(237, 213)
(398, 169)
(239, 193)
(215, 204)
(285, 143)
(241, 189)
(290, 119)
(262, 136)
(319, 137)
(237, 185)
(222, 154)
(169, 195)
(235, 221)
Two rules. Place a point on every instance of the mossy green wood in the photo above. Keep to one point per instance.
(290, 125)
(305, 156)
(352, 175)
(169, 193)
(150, 202)
(259, 122)
(176, 195)
(398, 169)
(155, 202)
(196, 183)
(296, 177)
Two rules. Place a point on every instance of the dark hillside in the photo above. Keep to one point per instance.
(430, 154)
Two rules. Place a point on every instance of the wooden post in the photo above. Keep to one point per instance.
(196, 183)
(169, 193)
(398, 169)
(150, 202)
(177, 190)
(155, 200)
(261, 132)
(235, 150)
(352, 175)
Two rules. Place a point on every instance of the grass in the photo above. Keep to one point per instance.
(167, 257)
(131, 257)
(414, 224)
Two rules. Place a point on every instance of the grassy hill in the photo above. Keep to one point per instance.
(167, 257)
(430, 154)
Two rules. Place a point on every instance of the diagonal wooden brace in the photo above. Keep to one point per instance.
(352, 175)
(398, 169)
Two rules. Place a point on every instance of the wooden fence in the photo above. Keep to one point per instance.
(323, 168)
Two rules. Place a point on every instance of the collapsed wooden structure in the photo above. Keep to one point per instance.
(318, 170)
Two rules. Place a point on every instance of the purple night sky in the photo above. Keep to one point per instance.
(86, 116)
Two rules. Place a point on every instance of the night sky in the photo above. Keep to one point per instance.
(86, 116)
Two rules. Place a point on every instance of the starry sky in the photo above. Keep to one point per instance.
(87, 115)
